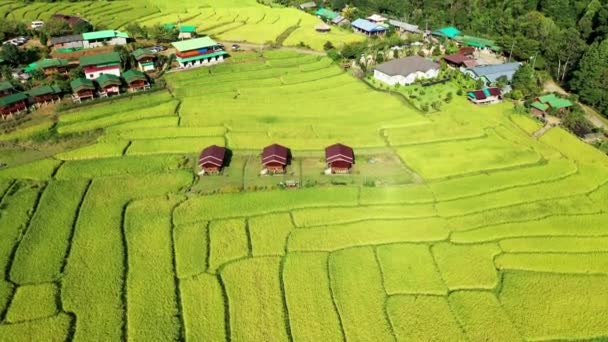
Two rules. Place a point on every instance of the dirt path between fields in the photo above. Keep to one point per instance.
(250, 46)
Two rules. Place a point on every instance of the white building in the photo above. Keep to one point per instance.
(406, 70)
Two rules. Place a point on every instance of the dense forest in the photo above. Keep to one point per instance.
(567, 38)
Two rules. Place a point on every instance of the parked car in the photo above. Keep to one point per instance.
(236, 47)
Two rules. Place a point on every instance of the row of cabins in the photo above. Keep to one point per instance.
(13, 103)
(90, 40)
(108, 85)
(94, 65)
(275, 159)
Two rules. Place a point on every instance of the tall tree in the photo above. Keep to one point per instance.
(591, 80)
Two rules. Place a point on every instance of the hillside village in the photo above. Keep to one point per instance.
(99, 64)
(293, 170)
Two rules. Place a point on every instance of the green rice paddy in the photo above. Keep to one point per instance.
(455, 225)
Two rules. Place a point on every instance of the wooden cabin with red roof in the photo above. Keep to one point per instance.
(485, 96)
(340, 158)
(109, 85)
(275, 158)
(212, 160)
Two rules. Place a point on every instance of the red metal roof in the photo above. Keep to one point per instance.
(339, 152)
(275, 153)
(494, 91)
(458, 59)
(212, 155)
(467, 50)
(479, 94)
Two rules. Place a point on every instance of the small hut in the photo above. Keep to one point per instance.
(340, 159)
(145, 59)
(82, 89)
(275, 159)
(109, 85)
(212, 160)
(136, 81)
(323, 28)
(43, 95)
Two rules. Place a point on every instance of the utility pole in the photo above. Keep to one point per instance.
(511, 52)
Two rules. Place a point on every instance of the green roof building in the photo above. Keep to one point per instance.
(45, 94)
(480, 43)
(97, 65)
(106, 37)
(326, 14)
(136, 80)
(198, 51)
(6, 88)
(109, 84)
(82, 89)
(49, 65)
(145, 59)
(448, 32)
(546, 102)
(14, 103)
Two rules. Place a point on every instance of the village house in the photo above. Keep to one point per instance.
(478, 43)
(368, 28)
(307, 5)
(50, 66)
(404, 27)
(446, 32)
(43, 95)
(275, 159)
(341, 21)
(186, 32)
(136, 81)
(109, 85)
(323, 28)
(492, 73)
(542, 104)
(97, 65)
(377, 19)
(82, 89)
(71, 20)
(485, 96)
(212, 160)
(13, 104)
(145, 59)
(325, 14)
(72, 41)
(103, 38)
(459, 60)
(340, 159)
(6, 88)
(198, 52)
(406, 70)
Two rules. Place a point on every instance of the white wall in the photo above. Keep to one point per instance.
(113, 41)
(405, 80)
(94, 75)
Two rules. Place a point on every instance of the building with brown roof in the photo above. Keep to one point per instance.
(340, 158)
(71, 20)
(212, 160)
(459, 60)
(275, 158)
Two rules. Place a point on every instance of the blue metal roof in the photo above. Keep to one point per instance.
(494, 72)
(367, 26)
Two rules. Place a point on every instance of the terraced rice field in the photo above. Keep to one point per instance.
(482, 233)
(230, 20)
